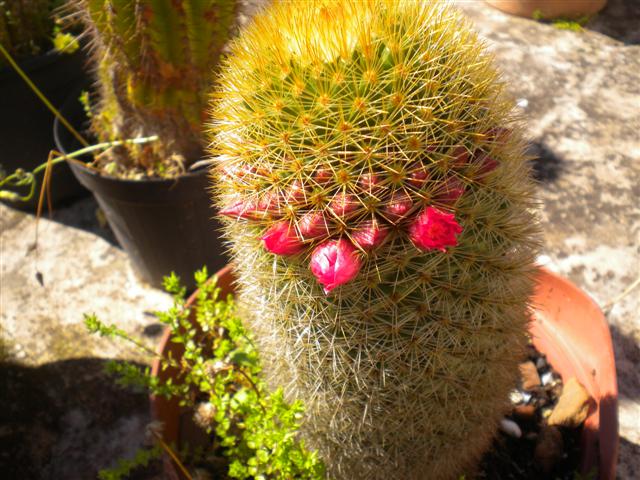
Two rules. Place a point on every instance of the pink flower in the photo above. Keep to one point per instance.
(450, 191)
(343, 204)
(398, 207)
(334, 263)
(369, 235)
(281, 239)
(434, 230)
(313, 225)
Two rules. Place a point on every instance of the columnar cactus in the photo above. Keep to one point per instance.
(25, 26)
(378, 206)
(154, 65)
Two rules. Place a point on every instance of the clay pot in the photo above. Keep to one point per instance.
(549, 9)
(567, 326)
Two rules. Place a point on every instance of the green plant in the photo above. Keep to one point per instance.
(381, 217)
(154, 63)
(219, 377)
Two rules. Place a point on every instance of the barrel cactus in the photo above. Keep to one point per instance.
(380, 213)
(154, 61)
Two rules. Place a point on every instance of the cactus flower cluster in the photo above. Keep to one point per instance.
(380, 214)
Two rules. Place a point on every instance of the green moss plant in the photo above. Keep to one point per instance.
(380, 213)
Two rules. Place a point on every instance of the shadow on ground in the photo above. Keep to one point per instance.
(546, 165)
(67, 420)
(620, 20)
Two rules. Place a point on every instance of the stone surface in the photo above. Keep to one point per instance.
(579, 96)
(572, 407)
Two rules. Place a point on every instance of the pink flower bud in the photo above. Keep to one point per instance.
(486, 165)
(335, 262)
(369, 235)
(343, 204)
(369, 182)
(241, 209)
(322, 176)
(498, 135)
(281, 239)
(398, 207)
(313, 225)
(450, 191)
(434, 230)
(460, 156)
(418, 176)
(270, 203)
(295, 193)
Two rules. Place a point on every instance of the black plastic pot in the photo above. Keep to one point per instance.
(25, 122)
(164, 225)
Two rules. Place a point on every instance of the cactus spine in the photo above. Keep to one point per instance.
(380, 218)
(154, 66)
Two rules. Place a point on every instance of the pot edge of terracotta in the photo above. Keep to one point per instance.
(549, 9)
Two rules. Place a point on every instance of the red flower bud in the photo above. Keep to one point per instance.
(270, 203)
(434, 230)
(418, 176)
(343, 204)
(334, 263)
(485, 165)
(369, 182)
(322, 176)
(313, 225)
(460, 156)
(398, 207)
(281, 239)
(369, 235)
(295, 193)
(241, 209)
(450, 191)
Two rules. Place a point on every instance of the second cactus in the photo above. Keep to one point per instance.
(154, 62)
(379, 211)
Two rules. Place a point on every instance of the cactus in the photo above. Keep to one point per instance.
(380, 213)
(154, 62)
(25, 26)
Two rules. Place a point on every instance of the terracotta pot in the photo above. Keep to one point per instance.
(567, 326)
(549, 9)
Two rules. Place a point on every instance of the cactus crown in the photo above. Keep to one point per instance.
(25, 26)
(154, 61)
(380, 219)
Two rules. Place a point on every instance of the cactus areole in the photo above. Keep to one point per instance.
(379, 210)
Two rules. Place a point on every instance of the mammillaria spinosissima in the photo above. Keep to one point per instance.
(379, 212)
(154, 63)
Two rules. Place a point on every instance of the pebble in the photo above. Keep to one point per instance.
(529, 376)
(524, 412)
(546, 378)
(510, 427)
(572, 407)
(549, 448)
(516, 397)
